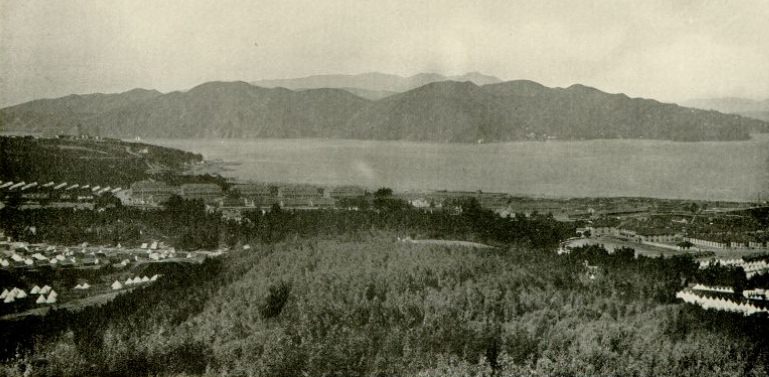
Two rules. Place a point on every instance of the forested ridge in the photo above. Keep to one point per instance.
(336, 293)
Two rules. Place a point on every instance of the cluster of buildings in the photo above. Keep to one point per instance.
(254, 195)
(728, 241)
(673, 230)
(22, 255)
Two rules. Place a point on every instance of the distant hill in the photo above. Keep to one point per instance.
(515, 110)
(63, 114)
(733, 105)
(373, 85)
(441, 111)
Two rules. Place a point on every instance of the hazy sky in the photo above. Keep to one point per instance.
(669, 50)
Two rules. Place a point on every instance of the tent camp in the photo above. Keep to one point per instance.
(9, 299)
(51, 299)
(85, 286)
(53, 294)
(145, 279)
(155, 277)
(21, 294)
(4, 294)
(45, 290)
(35, 290)
(40, 299)
(116, 285)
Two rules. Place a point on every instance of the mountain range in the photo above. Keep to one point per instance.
(439, 111)
(373, 85)
(733, 105)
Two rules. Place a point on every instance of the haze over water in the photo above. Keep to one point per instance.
(649, 168)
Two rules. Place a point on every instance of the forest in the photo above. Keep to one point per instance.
(335, 293)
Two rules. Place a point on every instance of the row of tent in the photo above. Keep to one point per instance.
(14, 294)
(10, 185)
(755, 294)
(717, 303)
(133, 281)
(701, 287)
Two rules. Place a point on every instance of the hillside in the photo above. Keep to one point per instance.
(235, 109)
(96, 162)
(515, 110)
(442, 111)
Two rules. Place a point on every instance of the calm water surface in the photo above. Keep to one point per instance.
(703, 170)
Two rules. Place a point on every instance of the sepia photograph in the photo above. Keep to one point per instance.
(377, 188)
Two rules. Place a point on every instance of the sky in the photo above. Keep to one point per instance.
(668, 50)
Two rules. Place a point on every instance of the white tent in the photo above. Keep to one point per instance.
(154, 277)
(78, 286)
(145, 279)
(4, 294)
(53, 294)
(85, 286)
(144, 245)
(45, 289)
(21, 294)
(51, 299)
(4, 263)
(35, 290)
(116, 285)
(9, 299)
(40, 299)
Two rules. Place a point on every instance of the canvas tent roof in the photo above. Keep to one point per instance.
(40, 299)
(116, 285)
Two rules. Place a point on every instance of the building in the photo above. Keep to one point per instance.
(706, 243)
(342, 192)
(208, 192)
(262, 195)
(151, 192)
(302, 196)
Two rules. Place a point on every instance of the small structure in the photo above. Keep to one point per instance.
(40, 300)
(35, 290)
(116, 285)
(51, 298)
